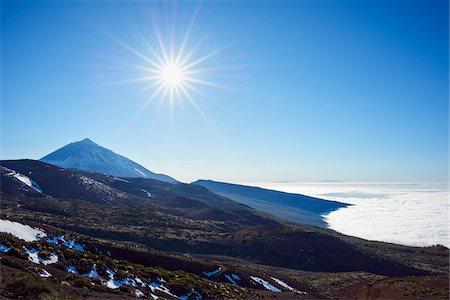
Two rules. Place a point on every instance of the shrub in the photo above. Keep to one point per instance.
(17, 252)
(82, 282)
(26, 286)
(13, 262)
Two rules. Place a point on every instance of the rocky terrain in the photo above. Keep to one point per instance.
(138, 237)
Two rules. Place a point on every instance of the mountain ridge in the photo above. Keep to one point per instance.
(294, 207)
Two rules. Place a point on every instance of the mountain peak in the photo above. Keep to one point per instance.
(87, 141)
(88, 156)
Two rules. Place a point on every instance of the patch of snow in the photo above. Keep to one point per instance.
(185, 297)
(72, 269)
(121, 179)
(286, 286)
(212, 273)
(4, 248)
(25, 180)
(160, 287)
(112, 283)
(59, 240)
(128, 281)
(23, 232)
(44, 273)
(235, 277)
(264, 283)
(93, 273)
(138, 293)
(55, 239)
(154, 296)
(139, 281)
(231, 280)
(73, 245)
(34, 257)
(147, 193)
(140, 172)
(53, 259)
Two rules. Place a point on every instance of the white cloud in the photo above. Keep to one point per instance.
(415, 214)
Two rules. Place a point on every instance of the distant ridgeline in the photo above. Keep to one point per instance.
(293, 207)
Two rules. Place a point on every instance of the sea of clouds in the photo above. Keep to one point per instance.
(414, 214)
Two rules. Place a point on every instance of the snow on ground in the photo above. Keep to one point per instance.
(72, 269)
(44, 273)
(21, 231)
(140, 172)
(265, 284)
(33, 256)
(121, 179)
(4, 248)
(286, 286)
(160, 287)
(235, 277)
(128, 281)
(112, 283)
(139, 281)
(231, 280)
(138, 293)
(212, 273)
(25, 180)
(147, 193)
(154, 296)
(73, 245)
(93, 273)
(59, 240)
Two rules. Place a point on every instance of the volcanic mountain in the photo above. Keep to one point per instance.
(88, 156)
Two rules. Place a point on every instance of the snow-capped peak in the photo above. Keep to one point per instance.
(89, 156)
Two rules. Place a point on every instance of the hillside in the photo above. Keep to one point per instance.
(294, 207)
(156, 224)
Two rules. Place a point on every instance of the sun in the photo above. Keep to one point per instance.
(172, 73)
(172, 76)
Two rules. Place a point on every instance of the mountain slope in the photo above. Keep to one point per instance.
(294, 207)
(39, 179)
(89, 156)
(182, 227)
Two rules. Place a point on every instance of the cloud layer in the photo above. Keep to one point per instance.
(415, 214)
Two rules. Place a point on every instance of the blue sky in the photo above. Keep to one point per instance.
(315, 90)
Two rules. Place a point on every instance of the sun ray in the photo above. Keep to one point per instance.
(161, 45)
(147, 44)
(196, 90)
(136, 79)
(194, 103)
(207, 83)
(196, 62)
(139, 54)
(186, 37)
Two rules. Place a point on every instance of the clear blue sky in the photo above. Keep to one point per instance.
(345, 90)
